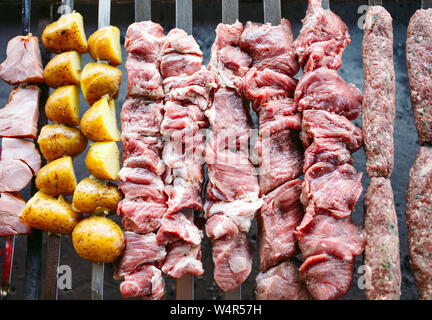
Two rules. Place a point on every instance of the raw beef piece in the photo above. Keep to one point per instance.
(280, 157)
(140, 216)
(23, 62)
(271, 46)
(330, 190)
(219, 225)
(231, 175)
(194, 89)
(11, 208)
(278, 219)
(139, 250)
(329, 138)
(324, 89)
(260, 86)
(322, 40)
(276, 115)
(241, 212)
(20, 149)
(227, 112)
(177, 40)
(337, 237)
(141, 183)
(418, 56)
(142, 152)
(327, 277)
(419, 221)
(15, 175)
(145, 39)
(183, 194)
(228, 61)
(176, 226)
(232, 257)
(281, 283)
(146, 282)
(143, 79)
(182, 258)
(141, 116)
(20, 116)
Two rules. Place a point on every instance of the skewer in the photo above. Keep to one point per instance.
(142, 10)
(53, 248)
(325, 4)
(272, 12)
(426, 4)
(375, 2)
(185, 285)
(230, 14)
(10, 240)
(97, 281)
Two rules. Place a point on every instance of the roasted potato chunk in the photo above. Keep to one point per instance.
(103, 160)
(94, 196)
(66, 34)
(57, 177)
(98, 239)
(99, 123)
(64, 69)
(104, 44)
(62, 105)
(99, 79)
(58, 140)
(47, 213)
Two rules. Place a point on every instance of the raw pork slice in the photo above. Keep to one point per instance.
(183, 258)
(11, 208)
(20, 149)
(23, 62)
(15, 175)
(20, 116)
(146, 282)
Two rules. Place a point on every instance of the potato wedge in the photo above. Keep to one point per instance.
(99, 122)
(104, 44)
(99, 79)
(103, 160)
(94, 196)
(47, 213)
(58, 140)
(98, 239)
(64, 69)
(66, 34)
(57, 177)
(62, 105)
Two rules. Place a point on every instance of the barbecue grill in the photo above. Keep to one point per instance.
(36, 259)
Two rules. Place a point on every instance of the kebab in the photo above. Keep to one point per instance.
(381, 257)
(326, 236)
(232, 190)
(20, 160)
(140, 177)
(418, 193)
(280, 156)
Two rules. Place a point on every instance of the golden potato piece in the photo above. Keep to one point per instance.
(104, 44)
(99, 79)
(64, 69)
(94, 196)
(98, 239)
(103, 160)
(58, 140)
(62, 105)
(66, 34)
(57, 177)
(99, 123)
(47, 213)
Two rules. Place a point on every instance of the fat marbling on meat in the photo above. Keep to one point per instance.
(419, 221)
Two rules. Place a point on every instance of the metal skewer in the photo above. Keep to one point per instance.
(272, 12)
(426, 4)
(53, 248)
(97, 280)
(185, 285)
